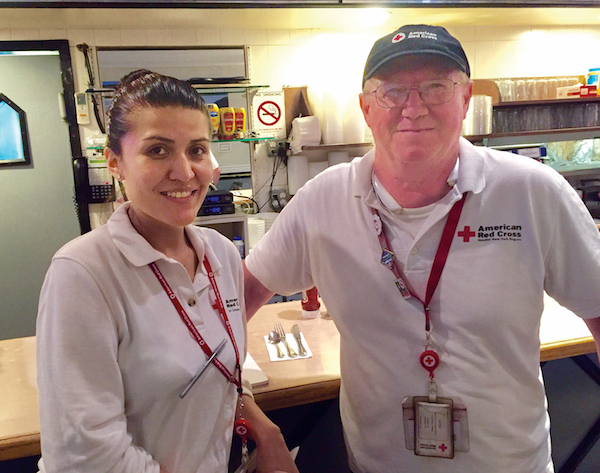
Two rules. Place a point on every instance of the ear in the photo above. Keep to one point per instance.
(468, 92)
(365, 105)
(112, 163)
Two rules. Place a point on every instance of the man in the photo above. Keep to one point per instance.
(432, 257)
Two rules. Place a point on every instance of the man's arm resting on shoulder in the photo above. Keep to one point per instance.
(255, 293)
(594, 326)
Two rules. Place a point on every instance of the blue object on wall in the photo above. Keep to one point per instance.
(14, 138)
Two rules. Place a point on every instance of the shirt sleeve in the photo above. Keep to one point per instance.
(281, 260)
(81, 395)
(573, 259)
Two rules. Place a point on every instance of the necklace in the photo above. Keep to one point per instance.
(190, 263)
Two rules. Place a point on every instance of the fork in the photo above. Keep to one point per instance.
(279, 329)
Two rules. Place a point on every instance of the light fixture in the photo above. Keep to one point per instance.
(372, 16)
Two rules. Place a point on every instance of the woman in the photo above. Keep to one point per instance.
(130, 311)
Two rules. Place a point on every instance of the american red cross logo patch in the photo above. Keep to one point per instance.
(466, 233)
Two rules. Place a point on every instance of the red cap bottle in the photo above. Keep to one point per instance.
(311, 307)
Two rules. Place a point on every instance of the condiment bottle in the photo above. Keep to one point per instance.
(311, 307)
(227, 123)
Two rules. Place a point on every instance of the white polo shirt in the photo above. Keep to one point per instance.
(113, 355)
(523, 230)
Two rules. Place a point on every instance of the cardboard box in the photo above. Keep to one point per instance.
(588, 91)
(571, 91)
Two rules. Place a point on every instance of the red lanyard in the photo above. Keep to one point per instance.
(438, 263)
(194, 331)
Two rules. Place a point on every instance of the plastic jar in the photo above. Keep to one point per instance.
(592, 76)
(239, 243)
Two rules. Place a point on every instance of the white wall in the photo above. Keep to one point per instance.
(328, 59)
(334, 60)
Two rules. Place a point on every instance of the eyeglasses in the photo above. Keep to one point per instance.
(432, 92)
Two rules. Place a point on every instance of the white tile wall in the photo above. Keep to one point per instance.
(107, 37)
(208, 37)
(24, 35)
(494, 51)
(182, 37)
(136, 37)
(278, 37)
(53, 34)
(232, 37)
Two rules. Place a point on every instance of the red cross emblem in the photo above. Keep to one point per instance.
(430, 360)
(443, 447)
(398, 37)
(466, 233)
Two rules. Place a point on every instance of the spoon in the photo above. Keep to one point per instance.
(274, 338)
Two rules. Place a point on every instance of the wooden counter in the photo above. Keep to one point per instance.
(295, 382)
(19, 420)
(291, 383)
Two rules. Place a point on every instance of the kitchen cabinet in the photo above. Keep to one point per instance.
(229, 225)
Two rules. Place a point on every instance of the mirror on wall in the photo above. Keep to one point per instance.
(201, 65)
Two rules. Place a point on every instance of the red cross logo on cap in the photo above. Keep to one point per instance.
(398, 37)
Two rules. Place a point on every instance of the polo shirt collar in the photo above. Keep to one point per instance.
(136, 249)
(471, 174)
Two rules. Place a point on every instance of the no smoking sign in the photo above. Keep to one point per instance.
(268, 112)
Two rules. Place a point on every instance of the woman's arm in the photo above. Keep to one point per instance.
(272, 451)
(81, 396)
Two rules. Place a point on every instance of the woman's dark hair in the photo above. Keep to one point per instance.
(143, 88)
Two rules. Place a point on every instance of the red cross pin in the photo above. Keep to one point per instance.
(430, 361)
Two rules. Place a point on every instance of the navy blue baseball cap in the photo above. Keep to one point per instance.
(419, 40)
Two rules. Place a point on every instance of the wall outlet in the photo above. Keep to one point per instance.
(276, 148)
(279, 199)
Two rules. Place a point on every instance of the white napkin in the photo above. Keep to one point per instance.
(253, 373)
(272, 349)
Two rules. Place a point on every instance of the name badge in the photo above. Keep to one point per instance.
(434, 436)
(426, 430)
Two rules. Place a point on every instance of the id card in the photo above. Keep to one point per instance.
(434, 435)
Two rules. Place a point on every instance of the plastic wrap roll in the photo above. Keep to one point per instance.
(337, 157)
(479, 117)
(305, 131)
(297, 169)
(256, 230)
(315, 167)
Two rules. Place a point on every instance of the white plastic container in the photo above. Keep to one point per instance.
(306, 131)
(297, 170)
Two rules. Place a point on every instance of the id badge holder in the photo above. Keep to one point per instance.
(434, 430)
(459, 417)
